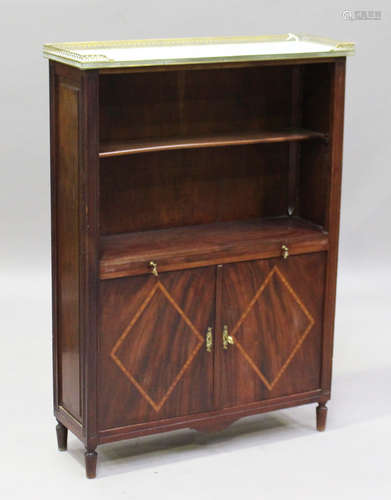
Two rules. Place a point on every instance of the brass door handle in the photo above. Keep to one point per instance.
(227, 339)
(209, 340)
(284, 251)
(153, 266)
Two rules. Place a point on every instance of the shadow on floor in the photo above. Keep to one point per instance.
(145, 452)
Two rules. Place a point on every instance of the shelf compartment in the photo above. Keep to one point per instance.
(129, 254)
(109, 149)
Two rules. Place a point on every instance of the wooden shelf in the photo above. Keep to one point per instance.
(128, 254)
(109, 149)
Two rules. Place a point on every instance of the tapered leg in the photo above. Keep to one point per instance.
(90, 458)
(321, 416)
(62, 436)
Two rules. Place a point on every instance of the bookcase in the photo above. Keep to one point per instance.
(195, 219)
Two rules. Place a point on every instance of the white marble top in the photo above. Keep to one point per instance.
(130, 53)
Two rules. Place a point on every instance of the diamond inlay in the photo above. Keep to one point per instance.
(150, 358)
(284, 323)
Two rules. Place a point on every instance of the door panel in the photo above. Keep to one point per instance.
(153, 361)
(273, 311)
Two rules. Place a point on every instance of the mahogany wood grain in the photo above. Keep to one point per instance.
(210, 418)
(194, 186)
(53, 222)
(129, 254)
(294, 146)
(65, 72)
(74, 152)
(139, 105)
(215, 425)
(133, 147)
(90, 231)
(218, 352)
(129, 355)
(273, 309)
(313, 182)
(153, 363)
(316, 89)
(66, 150)
(332, 219)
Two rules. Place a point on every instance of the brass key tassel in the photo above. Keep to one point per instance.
(209, 340)
(153, 265)
(284, 251)
(227, 339)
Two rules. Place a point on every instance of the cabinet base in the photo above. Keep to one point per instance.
(213, 426)
(207, 423)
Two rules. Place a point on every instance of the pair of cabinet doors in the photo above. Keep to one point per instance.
(162, 351)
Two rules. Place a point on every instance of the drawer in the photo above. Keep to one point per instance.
(129, 254)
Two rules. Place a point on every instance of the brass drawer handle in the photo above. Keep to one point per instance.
(153, 267)
(209, 340)
(227, 339)
(284, 251)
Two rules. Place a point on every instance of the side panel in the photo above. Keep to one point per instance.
(66, 243)
(273, 309)
(74, 191)
(333, 214)
(153, 362)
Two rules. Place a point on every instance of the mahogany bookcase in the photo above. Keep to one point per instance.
(195, 220)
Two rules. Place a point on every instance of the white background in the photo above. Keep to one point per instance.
(264, 457)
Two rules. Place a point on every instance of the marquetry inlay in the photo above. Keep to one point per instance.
(289, 301)
(183, 327)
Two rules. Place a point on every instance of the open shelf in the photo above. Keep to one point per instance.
(128, 254)
(114, 148)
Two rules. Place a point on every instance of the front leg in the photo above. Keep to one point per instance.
(321, 416)
(62, 436)
(90, 459)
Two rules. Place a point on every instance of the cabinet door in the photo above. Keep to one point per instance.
(272, 309)
(153, 358)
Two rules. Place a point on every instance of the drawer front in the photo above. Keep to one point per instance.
(153, 361)
(272, 310)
